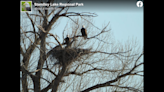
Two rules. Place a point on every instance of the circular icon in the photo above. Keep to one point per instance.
(139, 4)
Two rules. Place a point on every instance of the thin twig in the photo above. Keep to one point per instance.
(31, 40)
(41, 28)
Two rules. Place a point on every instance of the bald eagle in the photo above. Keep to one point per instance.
(84, 32)
(28, 8)
(68, 42)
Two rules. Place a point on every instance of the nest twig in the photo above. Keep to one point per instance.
(71, 55)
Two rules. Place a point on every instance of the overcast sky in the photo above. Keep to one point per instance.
(126, 19)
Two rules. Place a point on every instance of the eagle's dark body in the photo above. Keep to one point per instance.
(68, 42)
(84, 32)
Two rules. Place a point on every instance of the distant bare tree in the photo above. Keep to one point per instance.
(97, 63)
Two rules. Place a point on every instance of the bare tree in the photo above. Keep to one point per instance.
(92, 64)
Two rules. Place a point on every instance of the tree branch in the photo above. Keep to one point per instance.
(108, 83)
(32, 41)
(79, 14)
(109, 53)
(32, 24)
(21, 51)
(129, 88)
(56, 39)
(31, 32)
(27, 72)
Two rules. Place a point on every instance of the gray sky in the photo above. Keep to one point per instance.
(126, 19)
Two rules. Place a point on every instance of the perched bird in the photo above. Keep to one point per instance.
(28, 8)
(84, 32)
(68, 41)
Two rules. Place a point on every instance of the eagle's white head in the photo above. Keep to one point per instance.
(83, 26)
(67, 35)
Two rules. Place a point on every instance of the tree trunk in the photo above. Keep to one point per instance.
(42, 57)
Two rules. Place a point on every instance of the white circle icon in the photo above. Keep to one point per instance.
(139, 4)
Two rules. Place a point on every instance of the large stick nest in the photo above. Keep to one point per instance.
(69, 55)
